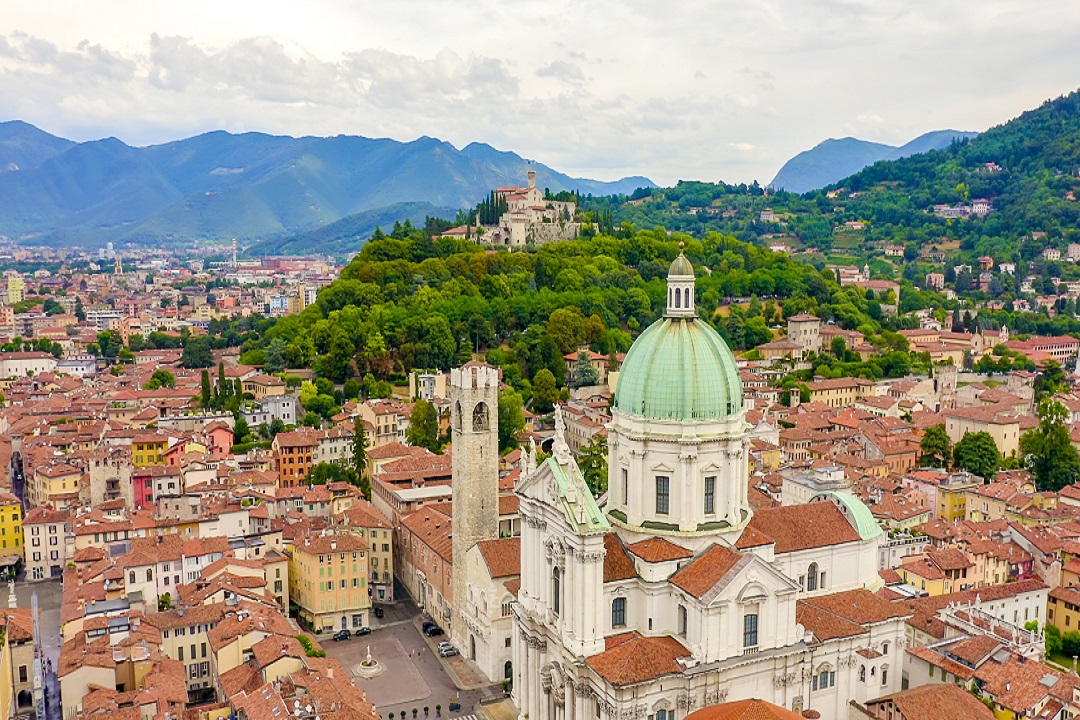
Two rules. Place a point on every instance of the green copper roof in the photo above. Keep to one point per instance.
(578, 502)
(856, 511)
(680, 266)
(679, 369)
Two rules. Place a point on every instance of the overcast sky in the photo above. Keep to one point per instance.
(692, 89)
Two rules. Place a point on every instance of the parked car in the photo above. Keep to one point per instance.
(445, 644)
(433, 631)
(378, 612)
(448, 651)
(428, 624)
(362, 631)
(342, 635)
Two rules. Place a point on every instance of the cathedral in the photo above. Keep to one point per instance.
(674, 594)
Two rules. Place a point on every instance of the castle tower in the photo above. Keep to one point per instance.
(474, 403)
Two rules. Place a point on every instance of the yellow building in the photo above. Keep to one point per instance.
(1003, 427)
(328, 580)
(148, 450)
(7, 679)
(11, 537)
(1063, 609)
(938, 572)
(16, 289)
(839, 392)
(362, 519)
(952, 497)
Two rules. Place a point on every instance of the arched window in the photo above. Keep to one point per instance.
(873, 671)
(884, 648)
(811, 577)
(678, 298)
(682, 620)
(508, 670)
(618, 612)
(862, 673)
(480, 417)
(687, 293)
(131, 577)
(825, 678)
(556, 591)
(149, 575)
(884, 675)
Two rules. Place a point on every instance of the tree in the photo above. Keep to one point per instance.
(161, 378)
(1053, 639)
(164, 602)
(327, 472)
(592, 460)
(80, 310)
(584, 373)
(359, 456)
(936, 447)
(241, 431)
(275, 356)
(1047, 451)
(978, 454)
(423, 426)
(544, 392)
(206, 395)
(197, 353)
(1051, 380)
(511, 418)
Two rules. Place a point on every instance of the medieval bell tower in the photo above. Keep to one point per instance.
(474, 398)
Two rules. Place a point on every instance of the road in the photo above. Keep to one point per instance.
(49, 595)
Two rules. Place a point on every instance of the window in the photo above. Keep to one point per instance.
(618, 612)
(862, 672)
(663, 494)
(811, 577)
(149, 575)
(884, 676)
(710, 495)
(682, 621)
(885, 648)
(625, 485)
(22, 673)
(556, 591)
(750, 625)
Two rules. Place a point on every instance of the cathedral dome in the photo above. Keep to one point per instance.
(680, 368)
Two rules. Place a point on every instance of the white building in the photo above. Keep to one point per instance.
(677, 595)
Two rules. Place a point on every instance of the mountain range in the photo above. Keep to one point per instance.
(251, 186)
(835, 159)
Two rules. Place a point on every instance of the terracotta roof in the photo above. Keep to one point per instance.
(845, 614)
(638, 659)
(617, 564)
(503, 556)
(708, 570)
(929, 702)
(799, 527)
(657, 549)
(752, 709)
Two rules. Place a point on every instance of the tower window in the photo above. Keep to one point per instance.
(480, 417)
(682, 620)
(678, 298)
(556, 591)
(710, 495)
(812, 577)
(626, 485)
(618, 612)
(663, 494)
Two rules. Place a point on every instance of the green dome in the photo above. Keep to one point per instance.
(681, 266)
(679, 369)
(855, 510)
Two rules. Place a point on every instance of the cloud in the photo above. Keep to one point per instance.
(656, 98)
(567, 72)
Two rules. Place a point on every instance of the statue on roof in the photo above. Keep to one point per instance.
(559, 448)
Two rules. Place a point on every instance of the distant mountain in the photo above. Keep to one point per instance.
(22, 145)
(252, 186)
(833, 160)
(346, 236)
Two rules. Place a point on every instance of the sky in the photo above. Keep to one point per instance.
(696, 89)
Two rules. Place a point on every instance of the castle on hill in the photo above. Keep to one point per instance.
(528, 219)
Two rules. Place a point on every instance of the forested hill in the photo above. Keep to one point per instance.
(1027, 168)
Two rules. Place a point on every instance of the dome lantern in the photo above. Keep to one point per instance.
(680, 282)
